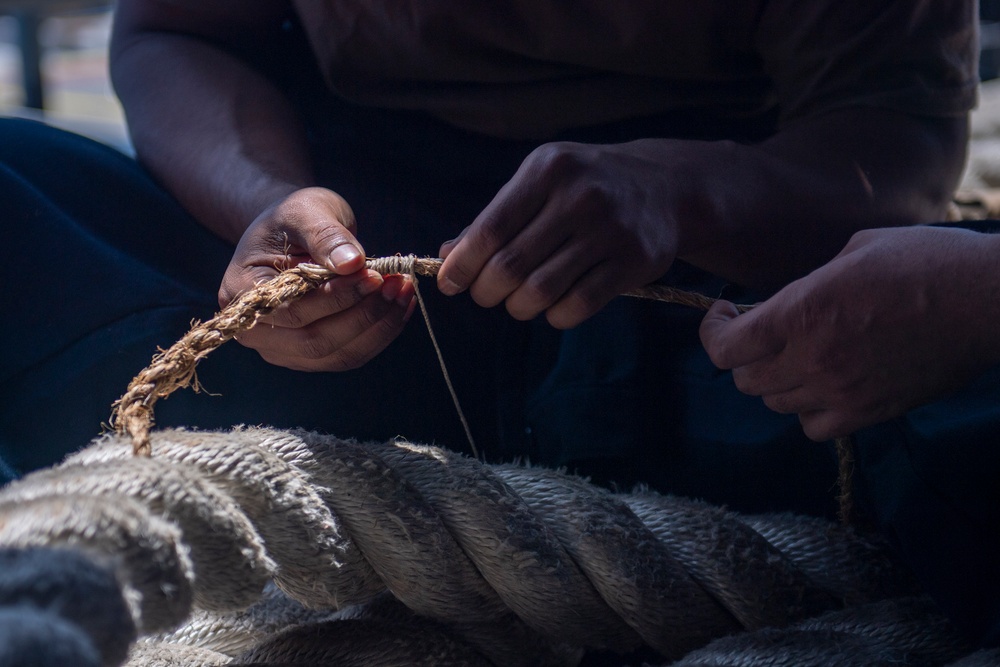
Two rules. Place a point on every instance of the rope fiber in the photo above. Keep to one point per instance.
(259, 545)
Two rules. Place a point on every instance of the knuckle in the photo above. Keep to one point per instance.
(369, 319)
(337, 299)
(557, 157)
(825, 364)
(522, 313)
(539, 288)
(275, 358)
(313, 344)
(523, 308)
(588, 300)
(863, 236)
(595, 200)
(293, 317)
(316, 204)
(511, 266)
(293, 207)
(574, 308)
(331, 236)
(558, 318)
(489, 236)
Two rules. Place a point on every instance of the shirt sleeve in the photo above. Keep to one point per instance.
(914, 56)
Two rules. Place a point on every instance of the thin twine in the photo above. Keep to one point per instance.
(407, 265)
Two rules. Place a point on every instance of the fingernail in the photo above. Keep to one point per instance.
(449, 287)
(391, 287)
(343, 254)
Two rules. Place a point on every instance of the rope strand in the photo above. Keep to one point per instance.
(174, 368)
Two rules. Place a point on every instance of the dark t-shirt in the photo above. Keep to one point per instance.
(533, 68)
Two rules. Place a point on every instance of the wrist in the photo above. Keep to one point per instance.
(987, 288)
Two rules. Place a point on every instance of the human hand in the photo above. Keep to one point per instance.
(577, 225)
(899, 317)
(341, 324)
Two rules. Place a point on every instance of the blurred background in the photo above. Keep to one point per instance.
(53, 66)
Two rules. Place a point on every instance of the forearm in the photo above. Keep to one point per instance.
(219, 136)
(765, 214)
(972, 304)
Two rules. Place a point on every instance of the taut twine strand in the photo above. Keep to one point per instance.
(174, 368)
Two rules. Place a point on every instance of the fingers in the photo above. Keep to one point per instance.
(733, 340)
(548, 287)
(322, 224)
(339, 341)
(587, 296)
(344, 322)
(448, 246)
(826, 424)
(333, 296)
(514, 206)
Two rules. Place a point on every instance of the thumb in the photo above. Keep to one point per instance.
(326, 235)
(448, 246)
(713, 331)
(733, 340)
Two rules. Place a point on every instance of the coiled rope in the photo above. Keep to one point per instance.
(503, 565)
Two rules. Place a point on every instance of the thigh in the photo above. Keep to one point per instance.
(100, 268)
(929, 481)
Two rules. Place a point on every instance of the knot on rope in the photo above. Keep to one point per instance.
(246, 543)
(404, 264)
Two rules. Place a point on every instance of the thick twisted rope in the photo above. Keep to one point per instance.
(525, 565)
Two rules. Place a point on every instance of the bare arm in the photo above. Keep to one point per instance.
(226, 143)
(775, 211)
(219, 135)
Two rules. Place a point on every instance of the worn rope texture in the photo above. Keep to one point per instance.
(515, 565)
(174, 368)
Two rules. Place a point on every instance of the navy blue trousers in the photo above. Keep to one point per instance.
(101, 267)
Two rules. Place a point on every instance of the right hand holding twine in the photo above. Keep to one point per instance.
(346, 321)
